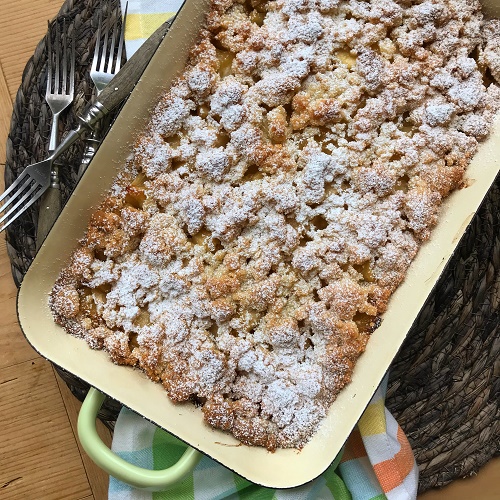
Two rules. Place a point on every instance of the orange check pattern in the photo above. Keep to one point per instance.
(379, 452)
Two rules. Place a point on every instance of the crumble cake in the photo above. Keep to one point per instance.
(276, 199)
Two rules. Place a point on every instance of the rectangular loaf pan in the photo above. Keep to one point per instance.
(284, 468)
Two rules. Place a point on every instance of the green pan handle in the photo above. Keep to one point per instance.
(151, 480)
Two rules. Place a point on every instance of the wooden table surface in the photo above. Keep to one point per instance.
(40, 456)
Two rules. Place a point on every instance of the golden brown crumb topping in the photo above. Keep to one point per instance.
(276, 199)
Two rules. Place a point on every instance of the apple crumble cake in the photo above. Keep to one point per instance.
(277, 197)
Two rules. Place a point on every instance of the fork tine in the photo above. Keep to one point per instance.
(22, 210)
(64, 82)
(72, 69)
(21, 200)
(120, 43)
(25, 185)
(104, 57)
(12, 187)
(58, 41)
(97, 43)
(25, 181)
(114, 33)
(49, 61)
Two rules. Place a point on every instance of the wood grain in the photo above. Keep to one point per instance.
(6, 102)
(38, 455)
(13, 346)
(22, 25)
(97, 478)
(483, 486)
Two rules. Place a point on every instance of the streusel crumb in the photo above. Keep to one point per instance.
(276, 199)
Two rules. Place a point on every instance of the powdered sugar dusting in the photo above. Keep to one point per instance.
(282, 188)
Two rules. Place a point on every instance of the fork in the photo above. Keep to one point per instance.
(103, 70)
(59, 95)
(105, 65)
(60, 86)
(35, 179)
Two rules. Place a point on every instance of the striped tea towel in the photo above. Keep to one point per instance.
(377, 463)
(143, 18)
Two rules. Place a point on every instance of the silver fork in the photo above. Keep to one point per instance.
(35, 179)
(105, 65)
(59, 95)
(60, 85)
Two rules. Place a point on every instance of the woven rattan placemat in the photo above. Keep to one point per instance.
(443, 389)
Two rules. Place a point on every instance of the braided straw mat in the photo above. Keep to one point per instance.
(444, 385)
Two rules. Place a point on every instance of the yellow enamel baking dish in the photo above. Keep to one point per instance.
(283, 468)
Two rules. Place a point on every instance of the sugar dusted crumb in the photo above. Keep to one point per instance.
(276, 199)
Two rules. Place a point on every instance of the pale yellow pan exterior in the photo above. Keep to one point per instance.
(284, 468)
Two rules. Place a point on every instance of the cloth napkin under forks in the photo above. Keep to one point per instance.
(377, 460)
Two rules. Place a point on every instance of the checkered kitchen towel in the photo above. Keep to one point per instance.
(377, 462)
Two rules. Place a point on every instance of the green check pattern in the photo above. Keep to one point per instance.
(209, 480)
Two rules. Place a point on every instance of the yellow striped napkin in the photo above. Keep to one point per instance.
(144, 17)
(377, 464)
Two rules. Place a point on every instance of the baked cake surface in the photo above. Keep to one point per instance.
(276, 199)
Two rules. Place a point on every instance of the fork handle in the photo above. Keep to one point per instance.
(50, 207)
(124, 81)
(54, 132)
(92, 143)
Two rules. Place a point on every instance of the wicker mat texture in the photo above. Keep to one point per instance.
(444, 386)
